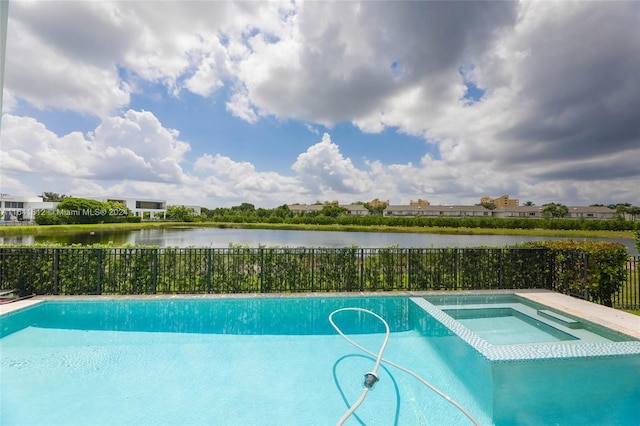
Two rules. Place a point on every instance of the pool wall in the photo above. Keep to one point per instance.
(230, 316)
(567, 389)
(472, 370)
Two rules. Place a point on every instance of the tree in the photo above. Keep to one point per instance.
(46, 217)
(52, 197)
(333, 210)
(376, 210)
(283, 211)
(180, 213)
(634, 211)
(82, 210)
(262, 212)
(619, 206)
(554, 210)
(488, 205)
(245, 208)
(529, 204)
(116, 208)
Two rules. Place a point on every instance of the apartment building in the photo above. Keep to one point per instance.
(503, 201)
(574, 212)
(421, 210)
(352, 209)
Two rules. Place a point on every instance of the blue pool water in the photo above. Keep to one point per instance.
(511, 329)
(277, 361)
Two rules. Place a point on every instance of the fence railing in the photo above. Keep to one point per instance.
(628, 297)
(84, 270)
(79, 270)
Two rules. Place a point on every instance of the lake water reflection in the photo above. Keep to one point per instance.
(221, 238)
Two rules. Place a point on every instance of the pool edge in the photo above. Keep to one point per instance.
(7, 308)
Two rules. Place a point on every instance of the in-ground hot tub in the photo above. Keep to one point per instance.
(535, 364)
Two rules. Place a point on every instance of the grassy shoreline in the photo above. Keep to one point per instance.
(64, 229)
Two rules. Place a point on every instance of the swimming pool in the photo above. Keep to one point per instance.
(278, 361)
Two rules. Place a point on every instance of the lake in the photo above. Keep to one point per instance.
(223, 237)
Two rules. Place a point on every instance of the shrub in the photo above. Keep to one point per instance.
(605, 266)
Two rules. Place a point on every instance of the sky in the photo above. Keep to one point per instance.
(215, 103)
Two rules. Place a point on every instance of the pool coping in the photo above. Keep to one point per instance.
(611, 318)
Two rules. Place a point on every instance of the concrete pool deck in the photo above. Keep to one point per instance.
(613, 319)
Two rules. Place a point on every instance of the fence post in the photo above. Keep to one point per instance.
(585, 273)
(313, 270)
(261, 273)
(154, 272)
(456, 268)
(208, 287)
(361, 269)
(99, 272)
(56, 267)
(409, 252)
(501, 272)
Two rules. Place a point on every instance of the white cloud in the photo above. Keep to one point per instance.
(240, 106)
(38, 71)
(134, 146)
(323, 169)
(240, 181)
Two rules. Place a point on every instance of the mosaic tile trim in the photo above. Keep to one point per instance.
(522, 352)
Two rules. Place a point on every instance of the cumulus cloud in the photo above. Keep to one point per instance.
(52, 80)
(134, 146)
(239, 180)
(345, 61)
(323, 168)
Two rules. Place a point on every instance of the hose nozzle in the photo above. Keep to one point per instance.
(370, 379)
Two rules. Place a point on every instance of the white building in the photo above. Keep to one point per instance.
(145, 208)
(21, 209)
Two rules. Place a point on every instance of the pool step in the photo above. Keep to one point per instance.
(566, 321)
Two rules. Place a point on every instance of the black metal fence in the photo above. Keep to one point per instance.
(628, 297)
(79, 270)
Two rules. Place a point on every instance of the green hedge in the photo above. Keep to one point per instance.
(448, 222)
(599, 275)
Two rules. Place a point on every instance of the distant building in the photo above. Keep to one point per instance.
(419, 202)
(580, 212)
(437, 211)
(574, 212)
(531, 212)
(305, 208)
(22, 209)
(503, 201)
(356, 210)
(352, 209)
(142, 207)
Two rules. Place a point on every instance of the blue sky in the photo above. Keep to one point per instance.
(220, 103)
